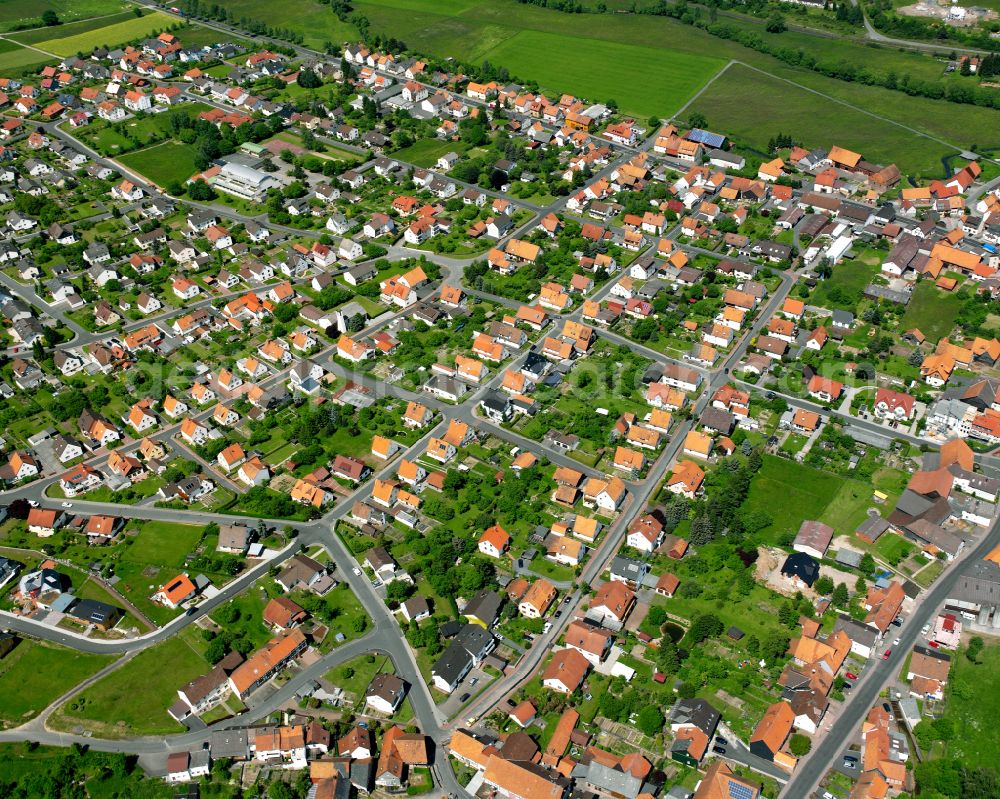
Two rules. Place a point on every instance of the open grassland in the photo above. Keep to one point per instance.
(28, 13)
(133, 699)
(778, 106)
(107, 35)
(36, 35)
(163, 163)
(608, 56)
(17, 60)
(34, 675)
(643, 81)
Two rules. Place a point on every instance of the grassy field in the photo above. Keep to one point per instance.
(644, 81)
(850, 277)
(154, 556)
(133, 700)
(15, 59)
(28, 13)
(781, 107)
(23, 695)
(931, 310)
(163, 163)
(974, 706)
(36, 35)
(426, 152)
(493, 30)
(107, 35)
(792, 493)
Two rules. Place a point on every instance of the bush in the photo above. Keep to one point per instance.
(799, 745)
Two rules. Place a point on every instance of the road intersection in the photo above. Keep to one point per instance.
(387, 637)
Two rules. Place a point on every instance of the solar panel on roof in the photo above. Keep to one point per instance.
(737, 791)
(706, 137)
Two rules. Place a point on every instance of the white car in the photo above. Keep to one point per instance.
(925, 629)
(896, 642)
(547, 627)
(357, 571)
(67, 504)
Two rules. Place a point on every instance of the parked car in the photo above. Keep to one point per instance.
(925, 629)
(933, 644)
(464, 698)
(885, 655)
(895, 642)
(851, 675)
(850, 762)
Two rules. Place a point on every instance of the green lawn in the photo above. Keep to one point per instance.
(133, 700)
(893, 548)
(849, 507)
(974, 706)
(355, 675)
(163, 163)
(644, 81)
(36, 674)
(112, 34)
(844, 287)
(426, 152)
(791, 493)
(474, 31)
(151, 558)
(931, 310)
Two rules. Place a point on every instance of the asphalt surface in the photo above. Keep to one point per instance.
(386, 636)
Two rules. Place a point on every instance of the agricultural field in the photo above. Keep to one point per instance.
(643, 81)
(22, 696)
(16, 14)
(781, 107)
(587, 53)
(16, 60)
(36, 35)
(110, 35)
(163, 163)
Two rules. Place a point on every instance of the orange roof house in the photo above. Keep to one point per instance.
(772, 730)
(266, 662)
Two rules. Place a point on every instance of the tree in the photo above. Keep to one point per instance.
(704, 626)
(697, 120)
(776, 24)
(799, 745)
(867, 564)
(200, 191)
(975, 647)
(650, 720)
(50, 18)
(308, 79)
(667, 658)
(840, 596)
(824, 586)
